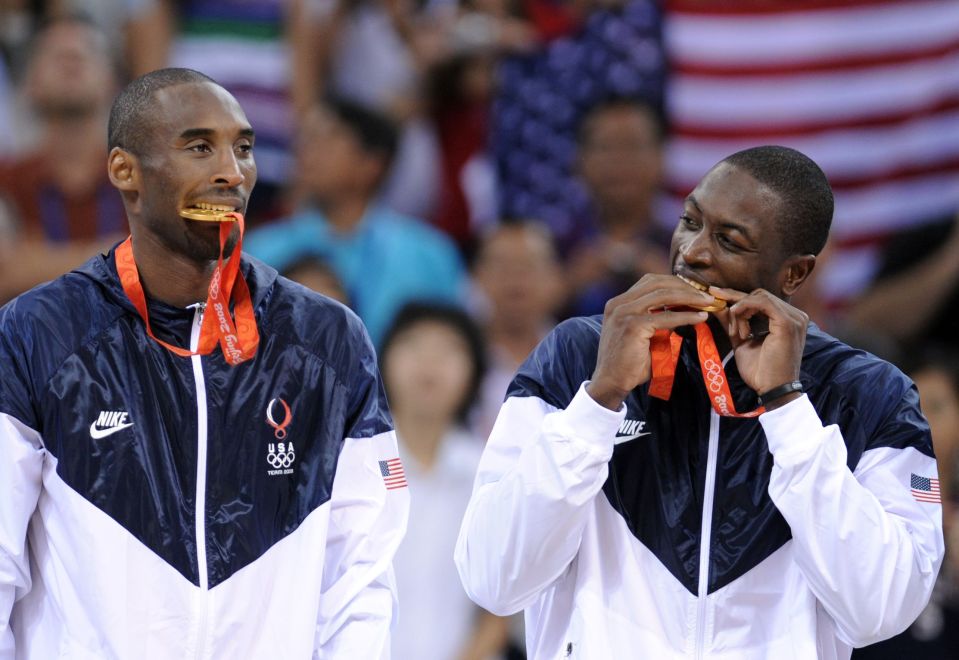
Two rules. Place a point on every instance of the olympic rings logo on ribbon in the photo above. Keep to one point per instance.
(714, 375)
(664, 349)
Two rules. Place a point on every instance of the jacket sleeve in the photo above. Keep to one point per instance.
(540, 472)
(358, 603)
(869, 549)
(368, 514)
(21, 462)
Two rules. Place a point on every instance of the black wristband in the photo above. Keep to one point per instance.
(780, 391)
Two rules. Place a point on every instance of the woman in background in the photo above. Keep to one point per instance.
(432, 362)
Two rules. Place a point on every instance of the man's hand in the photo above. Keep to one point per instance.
(629, 322)
(771, 360)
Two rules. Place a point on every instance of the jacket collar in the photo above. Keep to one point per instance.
(102, 269)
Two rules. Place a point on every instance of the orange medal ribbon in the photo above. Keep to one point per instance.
(238, 336)
(664, 350)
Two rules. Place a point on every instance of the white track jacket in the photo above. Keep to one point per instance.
(663, 531)
(157, 507)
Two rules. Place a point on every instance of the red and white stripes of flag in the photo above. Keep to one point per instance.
(925, 489)
(393, 475)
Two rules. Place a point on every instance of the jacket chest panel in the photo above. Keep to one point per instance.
(657, 483)
(121, 417)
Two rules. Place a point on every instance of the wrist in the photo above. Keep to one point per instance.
(780, 395)
(605, 395)
(782, 401)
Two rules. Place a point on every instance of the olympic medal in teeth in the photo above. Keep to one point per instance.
(205, 212)
(717, 305)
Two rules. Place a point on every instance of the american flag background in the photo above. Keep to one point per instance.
(393, 475)
(925, 489)
(869, 89)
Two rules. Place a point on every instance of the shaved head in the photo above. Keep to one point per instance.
(131, 117)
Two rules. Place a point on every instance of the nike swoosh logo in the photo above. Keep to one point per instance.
(97, 433)
(626, 438)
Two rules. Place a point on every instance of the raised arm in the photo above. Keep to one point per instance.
(867, 543)
(547, 457)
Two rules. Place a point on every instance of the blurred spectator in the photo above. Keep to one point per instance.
(620, 161)
(432, 362)
(935, 634)
(62, 203)
(368, 51)
(383, 259)
(314, 273)
(17, 23)
(6, 109)
(592, 50)
(133, 28)
(460, 92)
(461, 87)
(916, 296)
(518, 272)
(867, 89)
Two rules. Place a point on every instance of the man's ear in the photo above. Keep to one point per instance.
(795, 271)
(123, 168)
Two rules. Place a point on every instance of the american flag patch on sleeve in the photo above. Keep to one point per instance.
(925, 489)
(393, 475)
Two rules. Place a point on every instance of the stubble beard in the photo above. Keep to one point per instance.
(204, 246)
(194, 240)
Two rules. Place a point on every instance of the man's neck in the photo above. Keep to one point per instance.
(81, 138)
(170, 277)
(723, 344)
(516, 339)
(624, 221)
(422, 436)
(346, 213)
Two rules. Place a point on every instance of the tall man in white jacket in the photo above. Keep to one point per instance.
(665, 482)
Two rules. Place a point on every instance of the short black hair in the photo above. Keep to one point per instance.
(802, 187)
(131, 115)
(652, 110)
(376, 132)
(537, 227)
(455, 318)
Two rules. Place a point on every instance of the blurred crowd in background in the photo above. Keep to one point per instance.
(466, 173)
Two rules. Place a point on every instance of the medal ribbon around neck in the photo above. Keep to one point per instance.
(236, 333)
(664, 350)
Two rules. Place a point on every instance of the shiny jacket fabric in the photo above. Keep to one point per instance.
(665, 531)
(156, 506)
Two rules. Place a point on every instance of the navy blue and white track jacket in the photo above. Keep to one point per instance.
(664, 531)
(156, 506)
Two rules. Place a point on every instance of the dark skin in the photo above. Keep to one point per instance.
(728, 238)
(198, 148)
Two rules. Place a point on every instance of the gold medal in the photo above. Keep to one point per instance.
(717, 305)
(206, 215)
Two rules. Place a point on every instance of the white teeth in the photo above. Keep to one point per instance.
(213, 207)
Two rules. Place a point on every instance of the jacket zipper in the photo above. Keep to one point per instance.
(200, 501)
(706, 530)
